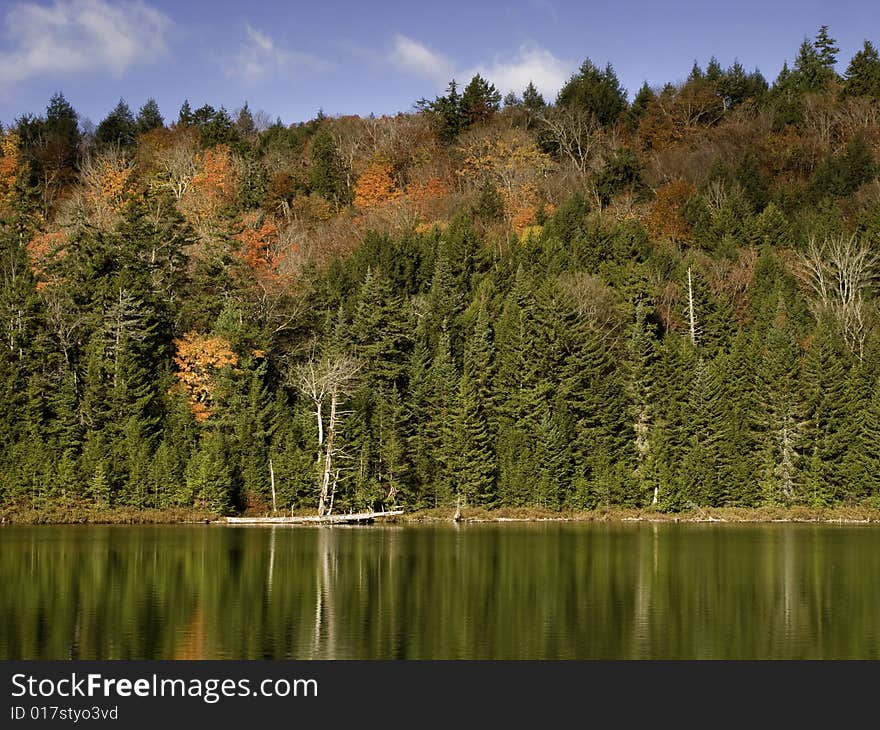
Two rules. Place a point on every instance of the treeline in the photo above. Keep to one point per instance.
(589, 302)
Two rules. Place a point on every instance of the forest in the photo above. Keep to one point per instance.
(567, 303)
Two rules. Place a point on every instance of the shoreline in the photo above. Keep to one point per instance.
(78, 515)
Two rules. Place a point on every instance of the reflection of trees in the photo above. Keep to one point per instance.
(538, 591)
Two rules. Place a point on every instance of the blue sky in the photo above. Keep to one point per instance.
(291, 58)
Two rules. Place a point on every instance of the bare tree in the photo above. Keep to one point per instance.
(178, 165)
(322, 379)
(577, 136)
(596, 303)
(839, 271)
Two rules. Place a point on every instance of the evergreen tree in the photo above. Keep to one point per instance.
(594, 91)
(447, 112)
(532, 99)
(378, 332)
(325, 170)
(118, 129)
(480, 101)
(208, 474)
(782, 420)
(149, 117)
(824, 383)
(473, 459)
(863, 73)
(185, 116)
(826, 49)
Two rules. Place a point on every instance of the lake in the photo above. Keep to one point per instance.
(508, 591)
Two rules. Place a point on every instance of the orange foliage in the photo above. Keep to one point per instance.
(42, 248)
(425, 197)
(522, 205)
(199, 359)
(217, 176)
(9, 163)
(213, 186)
(376, 187)
(665, 219)
(107, 184)
(260, 247)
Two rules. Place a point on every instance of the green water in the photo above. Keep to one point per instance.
(497, 591)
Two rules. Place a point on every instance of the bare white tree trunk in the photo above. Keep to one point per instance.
(320, 379)
(692, 315)
(272, 481)
(328, 455)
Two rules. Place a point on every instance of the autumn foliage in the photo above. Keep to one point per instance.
(376, 187)
(199, 360)
(257, 250)
(665, 219)
(213, 186)
(41, 249)
(9, 163)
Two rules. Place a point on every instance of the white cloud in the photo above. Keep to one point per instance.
(531, 63)
(416, 58)
(76, 36)
(261, 57)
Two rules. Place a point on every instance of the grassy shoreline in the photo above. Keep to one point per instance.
(80, 514)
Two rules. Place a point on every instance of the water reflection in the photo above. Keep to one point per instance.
(509, 591)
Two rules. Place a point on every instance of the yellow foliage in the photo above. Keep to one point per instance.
(510, 158)
(428, 227)
(107, 184)
(530, 232)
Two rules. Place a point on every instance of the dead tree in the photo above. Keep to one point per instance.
(324, 380)
(838, 272)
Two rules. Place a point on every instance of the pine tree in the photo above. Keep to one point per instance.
(442, 387)
(863, 73)
(704, 416)
(861, 463)
(378, 332)
(532, 99)
(392, 463)
(640, 383)
(594, 91)
(253, 430)
(782, 417)
(149, 117)
(824, 382)
(447, 113)
(326, 173)
(208, 475)
(826, 49)
(472, 460)
(119, 128)
(480, 101)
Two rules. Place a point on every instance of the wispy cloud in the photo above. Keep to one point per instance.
(260, 57)
(416, 58)
(531, 63)
(78, 36)
(513, 73)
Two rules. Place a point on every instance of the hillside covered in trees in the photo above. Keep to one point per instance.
(564, 303)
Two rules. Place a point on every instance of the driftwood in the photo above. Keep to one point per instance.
(339, 519)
